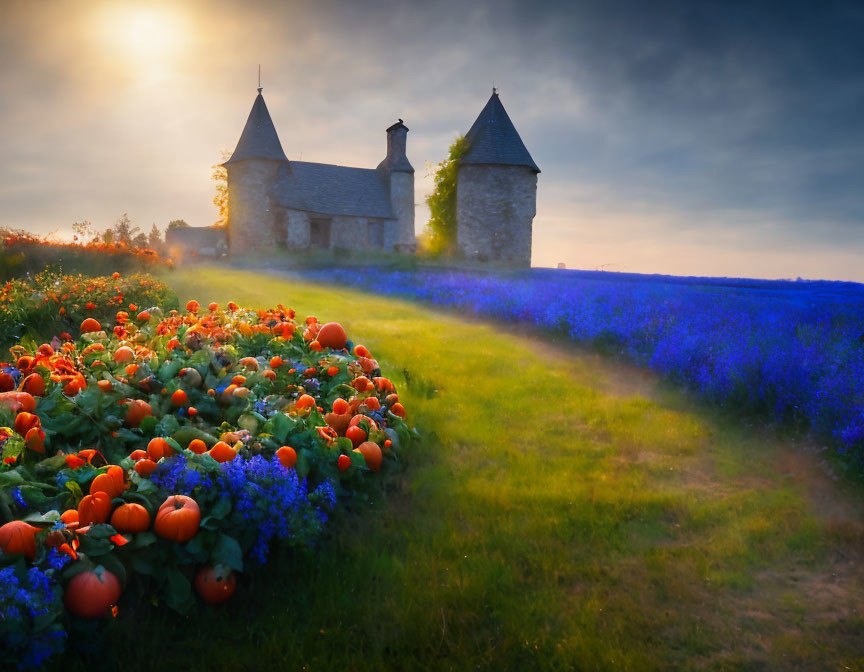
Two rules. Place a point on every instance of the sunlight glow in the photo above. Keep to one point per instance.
(146, 37)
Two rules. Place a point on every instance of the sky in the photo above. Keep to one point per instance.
(685, 137)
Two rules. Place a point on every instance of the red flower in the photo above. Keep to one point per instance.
(73, 461)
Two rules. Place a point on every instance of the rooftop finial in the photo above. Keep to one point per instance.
(259, 79)
(494, 90)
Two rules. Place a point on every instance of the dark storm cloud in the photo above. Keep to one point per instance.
(720, 104)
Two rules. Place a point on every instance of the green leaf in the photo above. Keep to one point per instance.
(167, 426)
(75, 489)
(9, 479)
(227, 552)
(279, 426)
(113, 564)
(51, 517)
(178, 592)
(143, 539)
(94, 546)
(148, 424)
(13, 446)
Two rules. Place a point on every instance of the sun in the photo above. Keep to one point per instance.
(147, 37)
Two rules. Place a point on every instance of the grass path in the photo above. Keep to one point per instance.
(564, 513)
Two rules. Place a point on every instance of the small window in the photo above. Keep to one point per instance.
(319, 233)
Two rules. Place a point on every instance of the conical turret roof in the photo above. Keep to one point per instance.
(259, 139)
(493, 139)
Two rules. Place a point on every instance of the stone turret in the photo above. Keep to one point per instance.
(400, 177)
(254, 167)
(496, 190)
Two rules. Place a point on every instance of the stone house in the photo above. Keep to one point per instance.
(496, 190)
(196, 241)
(277, 204)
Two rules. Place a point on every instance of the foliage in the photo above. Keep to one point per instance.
(220, 199)
(791, 351)
(440, 234)
(176, 224)
(22, 253)
(52, 302)
(238, 383)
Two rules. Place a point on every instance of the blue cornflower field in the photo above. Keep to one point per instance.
(793, 351)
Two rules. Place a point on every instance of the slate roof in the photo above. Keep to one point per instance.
(333, 190)
(493, 139)
(259, 139)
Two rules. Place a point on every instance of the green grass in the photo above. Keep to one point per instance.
(562, 513)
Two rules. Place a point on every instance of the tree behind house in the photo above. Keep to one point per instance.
(440, 234)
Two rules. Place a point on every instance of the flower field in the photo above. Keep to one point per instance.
(791, 351)
(155, 458)
(22, 252)
(57, 303)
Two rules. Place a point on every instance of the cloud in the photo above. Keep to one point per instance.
(675, 123)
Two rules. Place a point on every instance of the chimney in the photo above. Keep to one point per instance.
(397, 161)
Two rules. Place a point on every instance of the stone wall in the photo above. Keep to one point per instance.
(495, 208)
(345, 232)
(401, 232)
(251, 220)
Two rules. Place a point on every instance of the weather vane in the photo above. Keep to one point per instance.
(259, 78)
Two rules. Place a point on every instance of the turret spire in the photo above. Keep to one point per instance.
(259, 139)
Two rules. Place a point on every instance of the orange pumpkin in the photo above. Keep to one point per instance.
(179, 398)
(90, 325)
(178, 519)
(356, 434)
(197, 446)
(91, 594)
(7, 382)
(222, 452)
(70, 518)
(35, 440)
(94, 509)
(371, 452)
(145, 467)
(34, 384)
(159, 448)
(371, 403)
(123, 355)
(111, 482)
(287, 456)
(333, 336)
(305, 401)
(215, 584)
(18, 538)
(130, 518)
(136, 411)
(24, 422)
(362, 383)
(18, 401)
(337, 421)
